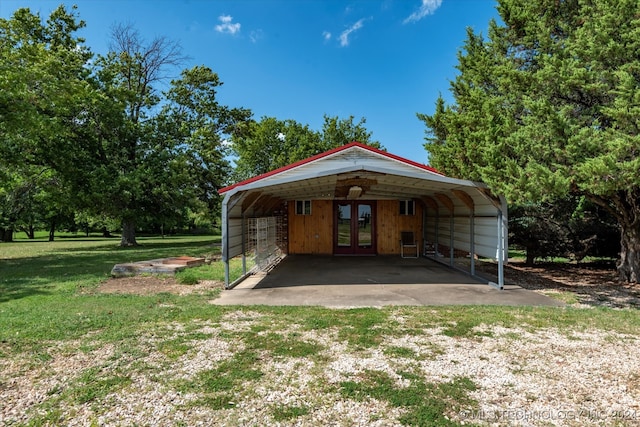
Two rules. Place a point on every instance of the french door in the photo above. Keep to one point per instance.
(354, 230)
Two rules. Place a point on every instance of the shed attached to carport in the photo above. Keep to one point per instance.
(358, 200)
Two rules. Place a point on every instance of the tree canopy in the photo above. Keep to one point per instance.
(549, 105)
(45, 93)
(97, 135)
(271, 143)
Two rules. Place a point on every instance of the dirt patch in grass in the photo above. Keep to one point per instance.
(585, 283)
(147, 285)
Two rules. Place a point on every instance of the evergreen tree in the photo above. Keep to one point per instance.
(548, 106)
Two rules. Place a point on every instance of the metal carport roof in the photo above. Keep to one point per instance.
(465, 213)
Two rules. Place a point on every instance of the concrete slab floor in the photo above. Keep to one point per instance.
(342, 282)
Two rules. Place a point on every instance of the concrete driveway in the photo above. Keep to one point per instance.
(371, 282)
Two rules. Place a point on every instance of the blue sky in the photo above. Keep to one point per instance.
(382, 60)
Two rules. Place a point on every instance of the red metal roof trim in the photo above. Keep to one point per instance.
(327, 154)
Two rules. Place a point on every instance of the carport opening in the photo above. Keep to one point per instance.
(387, 270)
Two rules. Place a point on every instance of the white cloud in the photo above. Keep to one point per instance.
(428, 7)
(256, 35)
(344, 36)
(326, 35)
(227, 26)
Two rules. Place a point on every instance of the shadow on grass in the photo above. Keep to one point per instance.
(147, 246)
(21, 288)
(593, 284)
(74, 267)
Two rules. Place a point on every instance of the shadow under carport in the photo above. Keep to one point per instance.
(300, 270)
(341, 282)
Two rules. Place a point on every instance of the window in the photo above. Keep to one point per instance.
(303, 207)
(407, 207)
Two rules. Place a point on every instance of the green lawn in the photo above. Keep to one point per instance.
(50, 312)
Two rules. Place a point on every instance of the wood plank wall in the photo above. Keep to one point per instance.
(311, 234)
(391, 223)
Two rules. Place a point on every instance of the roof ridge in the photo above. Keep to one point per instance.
(326, 154)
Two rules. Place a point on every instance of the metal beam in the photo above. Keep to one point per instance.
(446, 201)
(464, 197)
(429, 202)
(250, 199)
(468, 201)
(225, 238)
(501, 251)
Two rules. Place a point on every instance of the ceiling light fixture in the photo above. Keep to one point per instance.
(354, 192)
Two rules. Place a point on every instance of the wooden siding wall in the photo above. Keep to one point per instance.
(311, 234)
(391, 223)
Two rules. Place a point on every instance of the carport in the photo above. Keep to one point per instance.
(357, 200)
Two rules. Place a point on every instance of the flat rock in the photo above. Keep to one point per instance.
(156, 266)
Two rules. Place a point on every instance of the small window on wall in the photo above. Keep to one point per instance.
(303, 207)
(407, 207)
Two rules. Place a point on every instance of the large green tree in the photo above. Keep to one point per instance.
(549, 105)
(198, 124)
(45, 94)
(133, 167)
(98, 137)
(271, 143)
(163, 152)
(337, 132)
(265, 145)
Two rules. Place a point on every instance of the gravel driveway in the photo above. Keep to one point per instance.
(520, 376)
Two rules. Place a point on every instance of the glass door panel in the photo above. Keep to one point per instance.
(365, 238)
(354, 228)
(343, 222)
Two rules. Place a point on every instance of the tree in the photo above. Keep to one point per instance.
(165, 155)
(271, 143)
(128, 75)
(198, 124)
(337, 132)
(44, 95)
(547, 107)
(42, 202)
(98, 138)
(571, 227)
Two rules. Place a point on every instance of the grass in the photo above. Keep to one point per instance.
(426, 404)
(39, 268)
(49, 283)
(286, 413)
(49, 310)
(213, 271)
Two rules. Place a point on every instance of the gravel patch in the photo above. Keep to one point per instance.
(545, 377)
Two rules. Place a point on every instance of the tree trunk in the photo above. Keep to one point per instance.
(6, 235)
(105, 232)
(531, 257)
(128, 233)
(629, 262)
(29, 231)
(52, 230)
